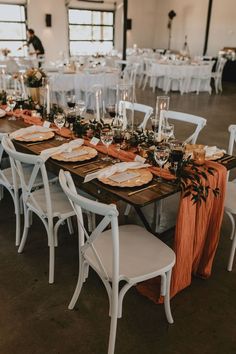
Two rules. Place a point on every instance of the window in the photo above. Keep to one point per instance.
(12, 28)
(90, 31)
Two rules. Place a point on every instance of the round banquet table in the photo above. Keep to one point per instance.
(82, 82)
(189, 72)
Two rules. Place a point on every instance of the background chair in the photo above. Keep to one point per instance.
(203, 77)
(230, 200)
(126, 253)
(48, 203)
(138, 107)
(217, 75)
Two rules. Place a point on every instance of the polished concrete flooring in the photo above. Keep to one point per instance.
(34, 318)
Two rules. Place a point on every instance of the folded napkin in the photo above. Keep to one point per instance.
(212, 150)
(28, 130)
(111, 170)
(67, 147)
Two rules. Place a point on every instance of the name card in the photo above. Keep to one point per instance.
(94, 141)
(46, 124)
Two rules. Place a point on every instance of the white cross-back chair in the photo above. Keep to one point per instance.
(217, 75)
(6, 181)
(230, 200)
(198, 122)
(48, 203)
(202, 77)
(117, 253)
(138, 107)
(11, 181)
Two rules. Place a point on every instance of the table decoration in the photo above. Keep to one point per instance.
(32, 133)
(77, 154)
(117, 168)
(34, 79)
(130, 178)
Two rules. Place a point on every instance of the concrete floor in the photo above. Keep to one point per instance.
(33, 314)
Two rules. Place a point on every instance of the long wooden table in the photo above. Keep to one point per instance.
(100, 191)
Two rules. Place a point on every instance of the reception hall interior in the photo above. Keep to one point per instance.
(117, 173)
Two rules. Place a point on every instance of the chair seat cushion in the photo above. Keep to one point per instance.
(60, 204)
(142, 255)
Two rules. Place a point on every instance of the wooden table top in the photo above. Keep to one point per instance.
(100, 191)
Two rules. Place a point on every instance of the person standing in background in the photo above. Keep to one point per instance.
(36, 43)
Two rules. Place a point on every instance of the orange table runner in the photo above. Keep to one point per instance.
(196, 238)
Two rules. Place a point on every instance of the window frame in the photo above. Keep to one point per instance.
(91, 25)
(22, 22)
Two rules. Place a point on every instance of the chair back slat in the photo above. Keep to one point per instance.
(232, 138)
(20, 164)
(86, 240)
(199, 122)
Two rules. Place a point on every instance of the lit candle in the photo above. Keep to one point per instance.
(48, 99)
(124, 116)
(4, 80)
(97, 107)
(162, 113)
(23, 86)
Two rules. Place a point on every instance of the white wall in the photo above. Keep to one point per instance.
(190, 20)
(55, 38)
(223, 26)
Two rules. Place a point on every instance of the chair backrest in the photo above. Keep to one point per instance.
(199, 122)
(3, 178)
(220, 66)
(20, 163)
(86, 240)
(232, 138)
(147, 110)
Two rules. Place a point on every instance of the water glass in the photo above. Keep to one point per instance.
(59, 120)
(106, 138)
(161, 155)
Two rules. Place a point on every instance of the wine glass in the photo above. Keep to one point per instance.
(70, 118)
(161, 155)
(70, 100)
(176, 154)
(111, 110)
(81, 107)
(106, 138)
(59, 120)
(117, 128)
(168, 132)
(11, 102)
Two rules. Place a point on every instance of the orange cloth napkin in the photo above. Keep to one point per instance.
(196, 238)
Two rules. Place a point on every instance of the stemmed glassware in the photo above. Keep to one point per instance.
(11, 102)
(70, 100)
(59, 120)
(161, 155)
(81, 107)
(106, 138)
(117, 128)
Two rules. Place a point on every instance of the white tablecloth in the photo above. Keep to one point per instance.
(190, 73)
(82, 83)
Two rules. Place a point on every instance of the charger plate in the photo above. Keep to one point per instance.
(81, 153)
(35, 136)
(140, 177)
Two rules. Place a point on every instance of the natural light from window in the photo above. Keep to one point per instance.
(90, 31)
(12, 29)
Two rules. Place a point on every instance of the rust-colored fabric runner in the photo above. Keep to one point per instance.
(196, 238)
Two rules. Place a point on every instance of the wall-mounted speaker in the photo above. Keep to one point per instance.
(48, 20)
(129, 24)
